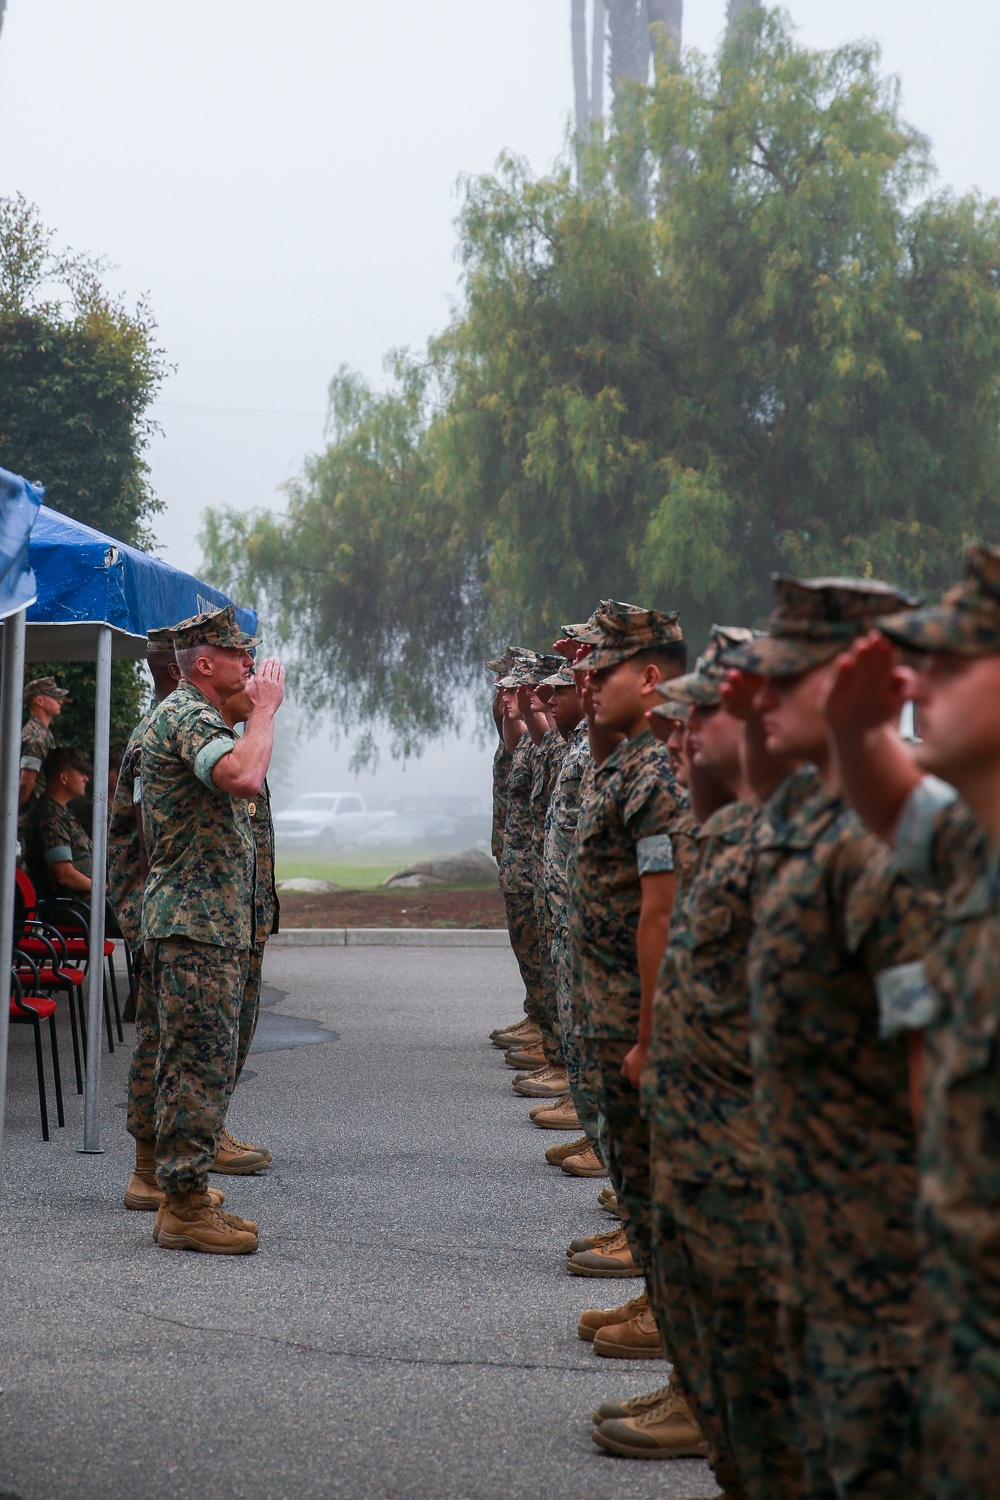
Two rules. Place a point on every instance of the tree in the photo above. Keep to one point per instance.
(790, 360)
(78, 373)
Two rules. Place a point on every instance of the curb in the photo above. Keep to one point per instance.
(390, 937)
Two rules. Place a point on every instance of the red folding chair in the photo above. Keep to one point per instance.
(31, 1010)
(69, 919)
(47, 972)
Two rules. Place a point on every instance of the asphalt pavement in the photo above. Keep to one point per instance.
(407, 1329)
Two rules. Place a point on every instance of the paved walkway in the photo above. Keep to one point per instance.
(406, 1330)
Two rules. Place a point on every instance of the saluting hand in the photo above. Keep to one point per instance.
(266, 687)
(869, 687)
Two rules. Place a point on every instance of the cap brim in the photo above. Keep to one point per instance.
(677, 711)
(937, 627)
(693, 689)
(782, 656)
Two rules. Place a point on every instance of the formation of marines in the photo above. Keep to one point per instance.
(758, 933)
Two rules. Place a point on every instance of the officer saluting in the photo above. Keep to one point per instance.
(198, 909)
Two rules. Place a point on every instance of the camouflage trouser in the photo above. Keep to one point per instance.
(249, 1009)
(140, 1118)
(570, 1042)
(672, 1308)
(749, 1423)
(547, 978)
(625, 1137)
(198, 989)
(854, 1393)
(960, 1387)
(522, 924)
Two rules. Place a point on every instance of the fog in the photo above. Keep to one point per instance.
(281, 182)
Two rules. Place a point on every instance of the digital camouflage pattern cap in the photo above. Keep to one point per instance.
(44, 687)
(702, 688)
(562, 677)
(503, 662)
(967, 621)
(159, 640)
(678, 710)
(522, 671)
(623, 630)
(812, 621)
(220, 627)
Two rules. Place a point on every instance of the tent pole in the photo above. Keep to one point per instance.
(99, 839)
(11, 699)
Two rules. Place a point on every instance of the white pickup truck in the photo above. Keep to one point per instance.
(326, 820)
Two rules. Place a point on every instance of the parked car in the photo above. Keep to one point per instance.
(408, 832)
(327, 821)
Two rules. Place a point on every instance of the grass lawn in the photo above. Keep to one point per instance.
(353, 877)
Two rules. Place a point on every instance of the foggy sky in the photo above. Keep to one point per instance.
(280, 180)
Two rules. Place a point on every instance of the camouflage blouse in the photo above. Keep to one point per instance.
(56, 836)
(124, 866)
(501, 769)
(561, 818)
(266, 907)
(37, 740)
(199, 840)
(623, 833)
(515, 861)
(835, 924)
(698, 1083)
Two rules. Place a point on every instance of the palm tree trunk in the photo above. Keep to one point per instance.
(597, 61)
(578, 23)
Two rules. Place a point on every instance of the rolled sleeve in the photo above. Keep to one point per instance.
(655, 854)
(905, 999)
(30, 763)
(917, 826)
(59, 854)
(208, 758)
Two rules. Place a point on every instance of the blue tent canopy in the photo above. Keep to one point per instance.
(19, 504)
(86, 579)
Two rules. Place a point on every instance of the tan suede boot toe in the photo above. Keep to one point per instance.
(585, 1164)
(665, 1431)
(612, 1260)
(633, 1407)
(236, 1159)
(559, 1115)
(556, 1155)
(549, 1083)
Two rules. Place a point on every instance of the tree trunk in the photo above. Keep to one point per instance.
(628, 34)
(597, 61)
(579, 31)
(735, 9)
(670, 15)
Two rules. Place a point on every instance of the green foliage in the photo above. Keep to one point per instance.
(789, 360)
(78, 373)
(75, 725)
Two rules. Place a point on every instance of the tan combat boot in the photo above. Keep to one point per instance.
(524, 1033)
(237, 1159)
(560, 1115)
(191, 1222)
(593, 1241)
(525, 1057)
(607, 1199)
(213, 1194)
(668, 1430)
(612, 1260)
(633, 1407)
(144, 1192)
(585, 1164)
(638, 1338)
(556, 1155)
(547, 1083)
(592, 1320)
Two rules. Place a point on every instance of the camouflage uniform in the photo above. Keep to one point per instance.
(37, 740)
(197, 916)
(516, 878)
(940, 843)
(501, 770)
(53, 836)
(265, 921)
(544, 773)
(836, 927)
(561, 818)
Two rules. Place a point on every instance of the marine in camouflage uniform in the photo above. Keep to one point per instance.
(709, 1221)
(37, 740)
(197, 916)
(940, 843)
(623, 833)
(516, 882)
(545, 771)
(54, 835)
(836, 925)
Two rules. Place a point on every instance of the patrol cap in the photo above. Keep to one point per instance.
(623, 630)
(217, 628)
(967, 620)
(159, 640)
(813, 620)
(702, 688)
(44, 687)
(502, 663)
(522, 671)
(677, 710)
(562, 677)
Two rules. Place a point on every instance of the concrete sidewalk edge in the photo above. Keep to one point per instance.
(390, 937)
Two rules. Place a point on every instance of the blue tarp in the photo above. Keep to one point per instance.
(85, 577)
(19, 503)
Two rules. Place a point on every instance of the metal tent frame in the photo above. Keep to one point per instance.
(95, 600)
